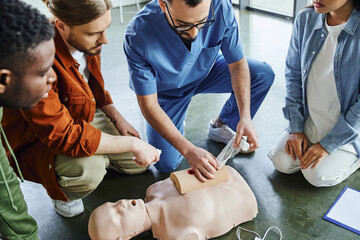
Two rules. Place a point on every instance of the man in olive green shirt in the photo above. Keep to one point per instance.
(26, 58)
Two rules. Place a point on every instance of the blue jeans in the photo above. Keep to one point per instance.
(218, 81)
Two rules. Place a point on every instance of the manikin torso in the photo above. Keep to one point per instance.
(199, 214)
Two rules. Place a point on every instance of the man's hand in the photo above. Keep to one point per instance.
(313, 156)
(119, 121)
(246, 128)
(125, 128)
(145, 154)
(296, 145)
(240, 81)
(202, 162)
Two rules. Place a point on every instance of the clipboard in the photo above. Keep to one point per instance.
(345, 211)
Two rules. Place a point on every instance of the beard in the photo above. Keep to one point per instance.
(186, 39)
(78, 46)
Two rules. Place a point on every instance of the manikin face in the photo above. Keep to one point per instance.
(328, 6)
(26, 89)
(117, 221)
(183, 14)
(88, 38)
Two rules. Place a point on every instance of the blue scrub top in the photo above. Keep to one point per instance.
(158, 60)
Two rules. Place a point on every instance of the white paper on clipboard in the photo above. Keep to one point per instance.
(345, 211)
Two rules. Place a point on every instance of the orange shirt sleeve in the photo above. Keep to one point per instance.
(55, 128)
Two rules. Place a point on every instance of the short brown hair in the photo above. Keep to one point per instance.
(78, 12)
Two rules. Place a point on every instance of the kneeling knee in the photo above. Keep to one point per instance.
(92, 181)
(284, 167)
(92, 174)
(282, 162)
(318, 179)
(166, 167)
(269, 75)
(169, 161)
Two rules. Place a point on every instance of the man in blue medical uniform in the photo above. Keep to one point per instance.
(179, 48)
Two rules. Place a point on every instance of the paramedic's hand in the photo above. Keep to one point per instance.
(313, 156)
(296, 145)
(246, 128)
(145, 154)
(202, 162)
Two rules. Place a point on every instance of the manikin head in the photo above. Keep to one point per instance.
(183, 14)
(27, 54)
(82, 24)
(121, 220)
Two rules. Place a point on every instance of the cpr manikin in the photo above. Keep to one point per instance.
(201, 214)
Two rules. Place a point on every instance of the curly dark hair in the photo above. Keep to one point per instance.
(22, 29)
(190, 3)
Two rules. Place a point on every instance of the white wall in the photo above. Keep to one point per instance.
(40, 5)
(127, 2)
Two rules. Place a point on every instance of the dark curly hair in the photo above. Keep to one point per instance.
(190, 3)
(22, 29)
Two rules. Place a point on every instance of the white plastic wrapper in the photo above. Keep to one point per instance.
(229, 151)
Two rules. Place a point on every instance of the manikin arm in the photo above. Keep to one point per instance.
(185, 181)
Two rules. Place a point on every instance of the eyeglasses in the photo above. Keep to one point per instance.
(187, 27)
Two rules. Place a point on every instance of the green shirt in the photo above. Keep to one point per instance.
(15, 222)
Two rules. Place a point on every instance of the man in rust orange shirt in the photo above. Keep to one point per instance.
(67, 141)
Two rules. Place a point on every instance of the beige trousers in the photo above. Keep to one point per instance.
(79, 176)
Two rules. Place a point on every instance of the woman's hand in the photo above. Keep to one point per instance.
(313, 156)
(296, 145)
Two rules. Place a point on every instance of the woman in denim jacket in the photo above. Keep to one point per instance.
(323, 100)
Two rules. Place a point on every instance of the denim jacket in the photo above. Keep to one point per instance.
(308, 37)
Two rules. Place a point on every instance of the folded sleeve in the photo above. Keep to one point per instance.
(142, 75)
(231, 46)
